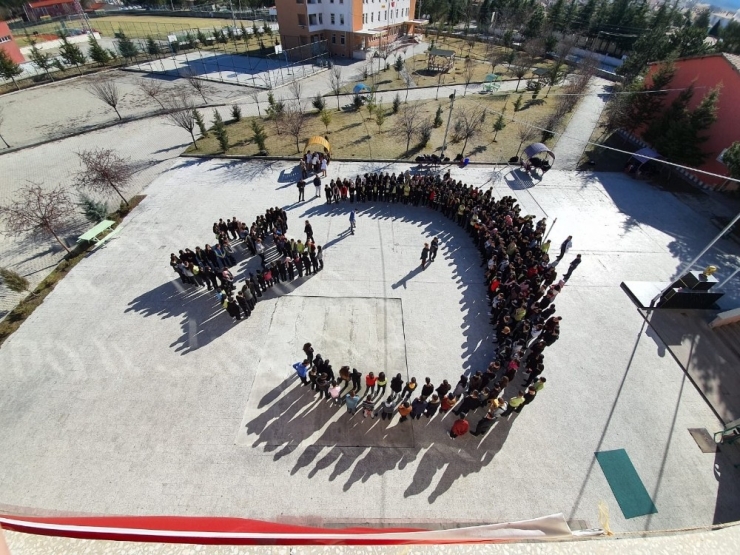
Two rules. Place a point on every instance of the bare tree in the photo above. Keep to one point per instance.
(335, 82)
(468, 123)
(408, 120)
(294, 120)
(182, 114)
(106, 90)
(153, 88)
(468, 73)
(519, 71)
(296, 90)
(535, 47)
(37, 211)
(407, 80)
(495, 58)
(2, 118)
(526, 133)
(198, 85)
(103, 171)
(255, 94)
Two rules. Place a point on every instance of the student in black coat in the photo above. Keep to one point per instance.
(484, 424)
(397, 385)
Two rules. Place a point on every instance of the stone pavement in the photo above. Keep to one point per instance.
(124, 393)
(573, 141)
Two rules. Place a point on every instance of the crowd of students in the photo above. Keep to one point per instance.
(522, 284)
(211, 265)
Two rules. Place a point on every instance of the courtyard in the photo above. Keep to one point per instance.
(125, 393)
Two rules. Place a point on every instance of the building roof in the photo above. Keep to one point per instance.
(47, 3)
(734, 59)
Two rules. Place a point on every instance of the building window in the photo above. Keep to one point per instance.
(333, 38)
(396, 12)
(341, 19)
(301, 20)
(332, 19)
(299, 1)
(364, 18)
(312, 19)
(372, 17)
(341, 1)
(378, 16)
(321, 19)
(341, 39)
(5, 39)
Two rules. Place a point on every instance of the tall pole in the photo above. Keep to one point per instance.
(732, 275)
(449, 118)
(690, 265)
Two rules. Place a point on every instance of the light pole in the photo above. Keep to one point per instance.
(449, 118)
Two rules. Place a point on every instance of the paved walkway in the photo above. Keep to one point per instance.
(574, 139)
(126, 394)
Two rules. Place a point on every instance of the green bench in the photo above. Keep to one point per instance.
(91, 236)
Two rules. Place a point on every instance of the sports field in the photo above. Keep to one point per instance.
(134, 26)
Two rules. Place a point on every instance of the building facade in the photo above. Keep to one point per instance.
(7, 43)
(347, 26)
(40, 9)
(706, 73)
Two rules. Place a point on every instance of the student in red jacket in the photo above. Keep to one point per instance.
(370, 381)
(460, 427)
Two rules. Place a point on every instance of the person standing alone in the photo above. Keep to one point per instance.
(573, 265)
(301, 190)
(424, 255)
(567, 244)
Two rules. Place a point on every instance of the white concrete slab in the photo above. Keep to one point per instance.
(125, 394)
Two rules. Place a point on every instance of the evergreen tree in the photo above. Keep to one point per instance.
(126, 46)
(570, 15)
(647, 102)
(556, 15)
(236, 112)
(689, 41)
(200, 123)
(152, 47)
(202, 39)
(438, 117)
(259, 135)
(730, 38)
(535, 23)
(498, 125)
(94, 211)
(649, 47)
(219, 130)
(71, 54)
(42, 60)
(98, 54)
(582, 21)
(678, 133)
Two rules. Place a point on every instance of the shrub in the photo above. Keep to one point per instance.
(236, 112)
(318, 102)
(94, 211)
(396, 103)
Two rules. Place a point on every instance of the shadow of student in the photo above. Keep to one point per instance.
(202, 318)
(329, 439)
(402, 282)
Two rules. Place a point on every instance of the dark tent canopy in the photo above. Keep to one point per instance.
(537, 148)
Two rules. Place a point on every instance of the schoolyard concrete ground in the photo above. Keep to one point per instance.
(126, 394)
(54, 111)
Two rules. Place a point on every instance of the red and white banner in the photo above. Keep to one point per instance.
(240, 531)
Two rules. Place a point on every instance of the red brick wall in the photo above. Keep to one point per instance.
(10, 47)
(706, 73)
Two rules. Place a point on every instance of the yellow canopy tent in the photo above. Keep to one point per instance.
(318, 140)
